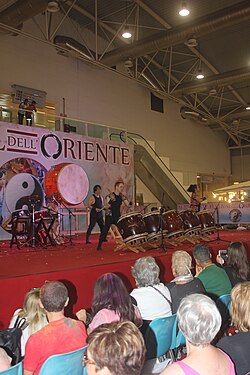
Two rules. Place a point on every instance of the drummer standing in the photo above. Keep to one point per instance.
(96, 206)
(195, 200)
(113, 210)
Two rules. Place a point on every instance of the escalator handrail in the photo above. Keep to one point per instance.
(158, 157)
(111, 134)
(119, 135)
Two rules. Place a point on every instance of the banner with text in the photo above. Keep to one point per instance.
(37, 163)
(229, 213)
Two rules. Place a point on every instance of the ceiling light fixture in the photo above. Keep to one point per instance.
(213, 91)
(191, 42)
(200, 75)
(126, 32)
(53, 7)
(248, 100)
(184, 9)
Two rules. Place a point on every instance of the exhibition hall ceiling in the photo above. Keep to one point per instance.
(165, 53)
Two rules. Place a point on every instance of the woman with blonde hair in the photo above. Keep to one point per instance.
(237, 346)
(183, 283)
(115, 349)
(32, 314)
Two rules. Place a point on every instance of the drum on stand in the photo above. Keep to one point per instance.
(191, 222)
(132, 228)
(41, 215)
(173, 223)
(20, 224)
(207, 222)
(69, 183)
(153, 225)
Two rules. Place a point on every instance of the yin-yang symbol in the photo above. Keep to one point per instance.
(24, 189)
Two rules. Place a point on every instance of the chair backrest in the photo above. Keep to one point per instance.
(178, 339)
(64, 364)
(159, 335)
(14, 370)
(225, 299)
(223, 304)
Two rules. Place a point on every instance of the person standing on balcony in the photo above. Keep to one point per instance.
(29, 112)
(22, 107)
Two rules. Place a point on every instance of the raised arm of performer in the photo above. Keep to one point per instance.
(96, 205)
(113, 210)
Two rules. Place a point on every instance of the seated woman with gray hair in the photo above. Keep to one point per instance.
(183, 283)
(152, 297)
(199, 320)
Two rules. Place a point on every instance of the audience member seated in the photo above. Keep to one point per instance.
(152, 297)
(183, 283)
(200, 320)
(60, 335)
(237, 346)
(213, 278)
(236, 264)
(111, 303)
(5, 360)
(32, 313)
(115, 349)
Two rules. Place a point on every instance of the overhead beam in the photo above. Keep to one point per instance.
(92, 18)
(207, 24)
(218, 80)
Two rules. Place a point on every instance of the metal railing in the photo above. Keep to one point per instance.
(50, 121)
(143, 142)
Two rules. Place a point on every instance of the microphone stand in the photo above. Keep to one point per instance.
(162, 244)
(218, 238)
(70, 224)
(33, 240)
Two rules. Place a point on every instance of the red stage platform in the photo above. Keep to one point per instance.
(79, 266)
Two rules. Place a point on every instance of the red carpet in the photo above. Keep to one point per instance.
(79, 266)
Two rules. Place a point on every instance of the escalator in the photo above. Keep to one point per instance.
(154, 173)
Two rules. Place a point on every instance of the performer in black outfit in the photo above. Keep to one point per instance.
(195, 200)
(113, 207)
(96, 205)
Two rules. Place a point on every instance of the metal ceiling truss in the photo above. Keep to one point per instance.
(165, 70)
(172, 84)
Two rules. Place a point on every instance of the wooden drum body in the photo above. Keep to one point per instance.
(174, 224)
(153, 225)
(132, 228)
(191, 221)
(207, 222)
(69, 183)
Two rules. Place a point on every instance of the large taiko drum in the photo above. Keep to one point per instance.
(174, 223)
(207, 221)
(154, 225)
(132, 228)
(191, 221)
(68, 182)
